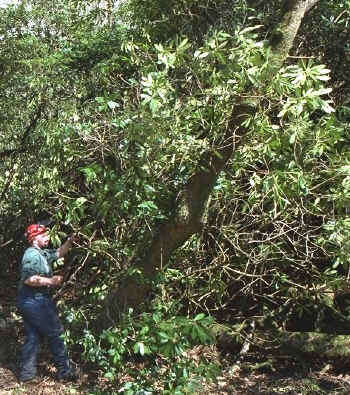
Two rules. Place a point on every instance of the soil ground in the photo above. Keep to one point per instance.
(257, 374)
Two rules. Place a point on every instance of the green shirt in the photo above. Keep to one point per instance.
(37, 262)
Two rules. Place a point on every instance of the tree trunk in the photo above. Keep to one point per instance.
(187, 219)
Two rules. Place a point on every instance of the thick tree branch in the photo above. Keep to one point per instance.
(284, 35)
(310, 4)
(187, 219)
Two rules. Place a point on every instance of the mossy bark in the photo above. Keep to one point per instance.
(187, 218)
(322, 345)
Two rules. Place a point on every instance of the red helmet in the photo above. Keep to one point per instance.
(34, 230)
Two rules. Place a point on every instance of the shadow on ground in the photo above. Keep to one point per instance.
(261, 372)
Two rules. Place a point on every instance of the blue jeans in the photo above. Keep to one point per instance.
(40, 319)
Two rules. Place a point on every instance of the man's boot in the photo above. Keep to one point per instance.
(70, 374)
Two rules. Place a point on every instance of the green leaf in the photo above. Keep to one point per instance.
(327, 108)
(183, 44)
(199, 317)
(203, 55)
(112, 105)
(144, 330)
(250, 29)
(109, 375)
(80, 201)
(203, 335)
(292, 138)
(139, 348)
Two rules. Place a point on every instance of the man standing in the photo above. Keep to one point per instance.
(36, 306)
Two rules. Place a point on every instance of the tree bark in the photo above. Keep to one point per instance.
(284, 36)
(187, 219)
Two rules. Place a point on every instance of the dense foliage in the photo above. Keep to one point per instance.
(109, 110)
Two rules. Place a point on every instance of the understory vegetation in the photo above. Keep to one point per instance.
(201, 151)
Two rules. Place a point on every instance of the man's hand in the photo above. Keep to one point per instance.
(67, 245)
(74, 238)
(56, 281)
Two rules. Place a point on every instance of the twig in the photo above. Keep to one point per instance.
(68, 280)
(6, 243)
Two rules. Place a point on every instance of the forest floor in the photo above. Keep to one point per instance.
(257, 374)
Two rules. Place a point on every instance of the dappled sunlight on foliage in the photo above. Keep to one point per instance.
(200, 150)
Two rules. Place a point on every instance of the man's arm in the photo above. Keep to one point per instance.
(41, 281)
(36, 280)
(66, 246)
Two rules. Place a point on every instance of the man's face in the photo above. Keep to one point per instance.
(42, 240)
